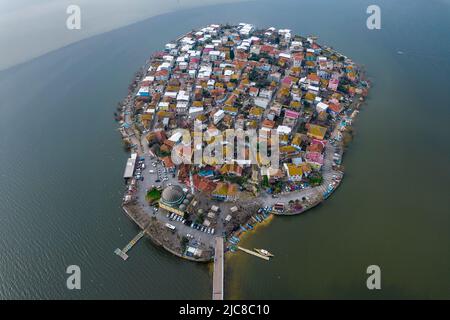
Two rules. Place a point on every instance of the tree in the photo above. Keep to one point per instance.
(265, 182)
(184, 242)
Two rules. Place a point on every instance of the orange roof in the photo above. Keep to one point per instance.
(313, 77)
(268, 123)
(168, 162)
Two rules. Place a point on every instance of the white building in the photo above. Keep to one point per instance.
(182, 106)
(321, 107)
(218, 116)
(182, 96)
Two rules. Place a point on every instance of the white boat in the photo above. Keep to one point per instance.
(264, 252)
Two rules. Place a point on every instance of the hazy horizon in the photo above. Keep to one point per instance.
(45, 28)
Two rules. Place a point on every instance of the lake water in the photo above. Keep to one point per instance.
(61, 165)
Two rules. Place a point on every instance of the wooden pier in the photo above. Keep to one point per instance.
(123, 253)
(254, 253)
(218, 270)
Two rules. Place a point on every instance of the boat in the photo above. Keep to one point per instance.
(264, 252)
(249, 226)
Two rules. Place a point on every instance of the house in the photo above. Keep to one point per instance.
(162, 75)
(314, 79)
(316, 146)
(287, 151)
(333, 84)
(297, 141)
(297, 59)
(218, 116)
(268, 124)
(266, 93)
(272, 173)
(261, 102)
(275, 76)
(224, 191)
(290, 118)
(284, 130)
(316, 131)
(253, 92)
(294, 172)
(310, 97)
(230, 110)
(231, 169)
(203, 184)
(283, 139)
(182, 106)
(334, 109)
(168, 163)
(321, 107)
(195, 111)
(315, 159)
(255, 113)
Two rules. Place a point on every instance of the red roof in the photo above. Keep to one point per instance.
(203, 184)
(168, 162)
(334, 107)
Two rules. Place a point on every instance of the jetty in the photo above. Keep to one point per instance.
(123, 252)
(254, 253)
(218, 270)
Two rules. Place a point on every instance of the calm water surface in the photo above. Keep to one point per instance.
(61, 163)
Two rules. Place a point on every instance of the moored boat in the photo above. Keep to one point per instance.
(264, 252)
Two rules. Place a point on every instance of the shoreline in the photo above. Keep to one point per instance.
(152, 238)
(134, 139)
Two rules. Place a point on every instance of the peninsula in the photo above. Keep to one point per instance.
(187, 183)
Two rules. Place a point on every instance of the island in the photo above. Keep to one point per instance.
(187, 185)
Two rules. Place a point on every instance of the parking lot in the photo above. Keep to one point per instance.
(155, 175)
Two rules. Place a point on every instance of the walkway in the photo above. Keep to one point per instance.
(218, 270)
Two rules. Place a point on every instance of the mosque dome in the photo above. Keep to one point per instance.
(173, 195)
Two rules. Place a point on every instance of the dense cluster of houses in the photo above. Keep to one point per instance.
(238, 77)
